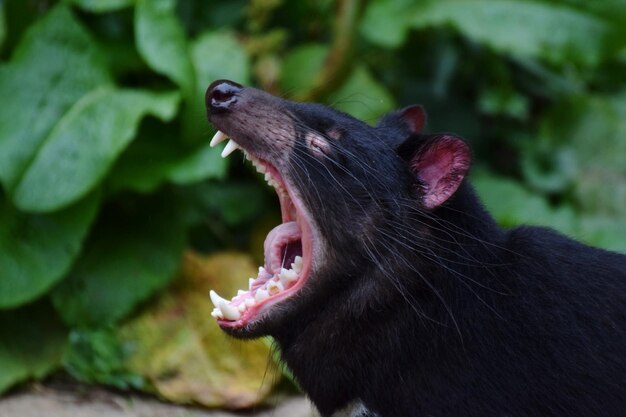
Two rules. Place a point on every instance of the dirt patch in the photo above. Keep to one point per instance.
(80, 401)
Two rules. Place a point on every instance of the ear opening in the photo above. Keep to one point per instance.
(440, 163)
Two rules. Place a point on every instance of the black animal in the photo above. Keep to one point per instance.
(390, 289)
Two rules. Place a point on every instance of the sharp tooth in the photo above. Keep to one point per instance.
(215, 299)
(249, 302)
(241, 292)
(287, 275)
(229, 311)
(298, 264)
(241, 307)
(261, 270)
(218, 138)
(217, 313)
(261, 295)
(229, 148)
(274, 287)
(250, 283)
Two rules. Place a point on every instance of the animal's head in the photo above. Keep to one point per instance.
(343, 186)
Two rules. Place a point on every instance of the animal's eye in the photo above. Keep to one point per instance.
(334, 133)
(317, 144)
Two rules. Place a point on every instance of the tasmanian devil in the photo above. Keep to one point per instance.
(391, 291)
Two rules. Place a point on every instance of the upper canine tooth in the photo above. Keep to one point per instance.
(216, 299)
(229, 148)
(218, 138)
(229, 311)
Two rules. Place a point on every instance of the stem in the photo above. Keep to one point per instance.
(339, 60)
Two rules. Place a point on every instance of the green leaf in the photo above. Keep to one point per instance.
(36, 251)
(549, 168)
(386, 22)
(96, 356)
(523, 28)
(81, 148)
(362, 97)
(32, 343)
(593, 129)
(181, 351)
(154, 159)
(301, 66)
(103, 6)
(512, 205)
(604, 231)
(610, 9)
(215, 55)
(3, 25)
(503, 101)
(128, 257)
(234, 202)
(161, 41)
(54, 65)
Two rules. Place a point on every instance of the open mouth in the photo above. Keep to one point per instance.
(288, 252)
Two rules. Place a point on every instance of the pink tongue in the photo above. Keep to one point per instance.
(275, 241)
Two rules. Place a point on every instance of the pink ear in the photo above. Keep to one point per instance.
(441, 165)
(415, 118)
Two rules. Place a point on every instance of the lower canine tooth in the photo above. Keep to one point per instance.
(229, 311)
(217, 313)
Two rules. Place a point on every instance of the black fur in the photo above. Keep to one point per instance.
(439, 312)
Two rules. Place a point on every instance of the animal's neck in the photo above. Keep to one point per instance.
(385, 326)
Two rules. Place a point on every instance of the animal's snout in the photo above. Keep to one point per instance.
(222, 95)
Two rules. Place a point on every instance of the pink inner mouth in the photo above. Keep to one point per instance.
(288, 252)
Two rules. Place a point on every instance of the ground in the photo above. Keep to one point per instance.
(72, 400)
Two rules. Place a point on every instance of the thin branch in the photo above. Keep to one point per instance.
(339, 60)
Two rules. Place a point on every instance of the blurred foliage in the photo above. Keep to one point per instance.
(183, 355)
(106, 176)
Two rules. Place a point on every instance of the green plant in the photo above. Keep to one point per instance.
(106, 174)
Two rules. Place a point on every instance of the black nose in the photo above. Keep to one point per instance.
(221, 95)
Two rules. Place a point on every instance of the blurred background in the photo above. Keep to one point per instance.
(116, 218)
